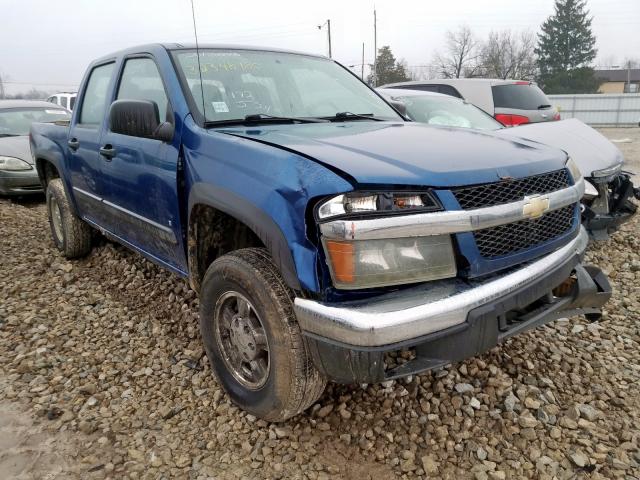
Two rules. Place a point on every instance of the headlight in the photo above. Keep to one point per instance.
(356, 264)
(13, 164)
(358, 203)
(589, 190)
(394, 261)
(574, 170)
(607, 172)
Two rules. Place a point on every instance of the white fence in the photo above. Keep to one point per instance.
(601, 109)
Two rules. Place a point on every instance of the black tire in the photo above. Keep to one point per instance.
(70, 234)
(293, 383)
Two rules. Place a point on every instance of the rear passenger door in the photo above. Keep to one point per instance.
(86, 166)
(142, 172)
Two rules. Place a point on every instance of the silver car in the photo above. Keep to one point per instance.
(511, 102)
(609, 190)
(18, 175)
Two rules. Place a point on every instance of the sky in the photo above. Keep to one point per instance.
(48, 44)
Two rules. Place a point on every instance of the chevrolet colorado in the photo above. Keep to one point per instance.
(320, 230)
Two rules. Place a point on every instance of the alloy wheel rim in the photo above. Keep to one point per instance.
(242, 340)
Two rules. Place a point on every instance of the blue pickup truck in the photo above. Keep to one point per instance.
(322, 231)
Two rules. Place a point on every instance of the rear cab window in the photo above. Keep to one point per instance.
(94, 101)
(521, 96)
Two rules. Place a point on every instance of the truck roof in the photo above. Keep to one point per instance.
(151, 47)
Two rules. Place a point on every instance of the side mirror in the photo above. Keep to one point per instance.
(399, 106)
(139, 118)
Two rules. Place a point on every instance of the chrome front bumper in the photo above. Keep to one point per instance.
(432, 307)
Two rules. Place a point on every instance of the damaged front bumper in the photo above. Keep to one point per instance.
(611, 207)
(448, 320)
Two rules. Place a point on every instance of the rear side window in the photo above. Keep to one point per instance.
(424, 88)
(95, 95)
(521, 97)
(449, 90)
(141, 81)
(63, 101)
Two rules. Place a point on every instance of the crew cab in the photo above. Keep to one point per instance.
(320, 229)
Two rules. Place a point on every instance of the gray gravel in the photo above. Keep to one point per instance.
(104, 353)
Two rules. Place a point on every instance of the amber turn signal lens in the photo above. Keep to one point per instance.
(564, 288)
(342, 260)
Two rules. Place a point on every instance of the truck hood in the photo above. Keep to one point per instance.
(16, 147)
(589, 148)
(393, 153)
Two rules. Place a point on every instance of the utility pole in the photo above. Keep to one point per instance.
(375, 50)
(328, 24)
(362, 66)
(1, 88)
(629, 76)
(329, 34)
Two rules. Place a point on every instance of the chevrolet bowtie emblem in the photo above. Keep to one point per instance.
(535, 206)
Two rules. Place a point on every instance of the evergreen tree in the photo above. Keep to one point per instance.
(566, 48)
(388, 68)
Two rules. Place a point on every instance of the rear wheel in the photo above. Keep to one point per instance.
(70, 234)
(252, 337)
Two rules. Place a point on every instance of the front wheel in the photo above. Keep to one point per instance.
(252, 337)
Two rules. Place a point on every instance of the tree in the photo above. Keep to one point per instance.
(388, 69)
(508, 55)
(461, 55)
(566, 48)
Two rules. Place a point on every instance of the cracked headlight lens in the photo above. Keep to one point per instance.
(355, 203)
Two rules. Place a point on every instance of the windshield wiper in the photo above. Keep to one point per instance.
(540, 107)
(342, 116)
(9, 135)
(255, 118)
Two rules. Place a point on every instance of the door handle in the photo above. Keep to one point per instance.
(108, 151)
(73, 143)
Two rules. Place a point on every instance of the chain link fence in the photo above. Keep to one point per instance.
(601, 110)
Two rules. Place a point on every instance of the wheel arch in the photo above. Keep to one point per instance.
(213, 210)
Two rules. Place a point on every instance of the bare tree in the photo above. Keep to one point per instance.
(461, 54)
(509, 55)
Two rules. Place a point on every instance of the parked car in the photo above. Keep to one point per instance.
(319, 228)
(609, 190)
(511, 102)
(64, 99)
(18, 175)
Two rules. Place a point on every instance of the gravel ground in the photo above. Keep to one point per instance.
(102, 375)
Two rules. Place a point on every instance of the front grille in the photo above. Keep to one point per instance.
(514, 237)
(497, 193)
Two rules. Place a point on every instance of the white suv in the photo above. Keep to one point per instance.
(65, 99)
(511, 102)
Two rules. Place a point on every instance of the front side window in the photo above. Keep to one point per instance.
(95, 95)
(17, 121)
(449, 112)
(237, 83)
(141, 81)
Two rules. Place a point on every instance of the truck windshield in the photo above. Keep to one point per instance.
(17, 121)
(447, 111)
(238, 83)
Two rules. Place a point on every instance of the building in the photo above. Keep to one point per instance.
(619, 80)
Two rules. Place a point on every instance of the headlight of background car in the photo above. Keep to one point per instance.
(607, 172)
(356, 264)
(13, 164)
